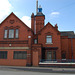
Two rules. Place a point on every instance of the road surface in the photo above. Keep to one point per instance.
(14, 72)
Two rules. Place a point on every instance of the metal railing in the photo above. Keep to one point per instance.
(57, 61)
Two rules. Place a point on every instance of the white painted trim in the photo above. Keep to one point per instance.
(63, 59)
(57, 63)
(49, 43)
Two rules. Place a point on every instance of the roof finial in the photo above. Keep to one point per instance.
(56, 26)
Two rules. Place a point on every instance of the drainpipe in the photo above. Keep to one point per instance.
(72, 47)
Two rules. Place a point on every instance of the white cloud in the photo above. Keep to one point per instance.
(26, 20)
(55, 13)
(5, 9)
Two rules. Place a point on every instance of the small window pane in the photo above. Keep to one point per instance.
(35, 41)
(54, 55)
(24, 56)
(16, 34)
(5, 34)
(15, 56)
(3, 54)
(49, 55)
(11, 33)
(19, 55)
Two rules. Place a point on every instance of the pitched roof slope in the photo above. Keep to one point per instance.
(17, 18)
(46, 26)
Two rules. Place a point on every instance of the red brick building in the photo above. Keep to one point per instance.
(21, 45)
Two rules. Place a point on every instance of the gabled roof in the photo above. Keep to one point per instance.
(46, 26)
(17, 18)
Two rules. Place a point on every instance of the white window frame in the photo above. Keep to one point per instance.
(49, 39)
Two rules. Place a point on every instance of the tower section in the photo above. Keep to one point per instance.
(39, 20)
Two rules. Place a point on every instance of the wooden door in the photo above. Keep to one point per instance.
(35, 58)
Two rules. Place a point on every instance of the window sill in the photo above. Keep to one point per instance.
(19, 59)
(49, 43)
(63, 59)
(10, 38)
(16, 38)
(35, 43)
(5, 38)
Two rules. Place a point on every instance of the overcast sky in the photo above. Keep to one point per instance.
(61, 12)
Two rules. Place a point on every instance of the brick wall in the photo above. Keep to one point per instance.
(50, 30)
(24, 40)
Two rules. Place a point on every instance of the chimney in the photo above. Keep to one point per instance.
(32, 22)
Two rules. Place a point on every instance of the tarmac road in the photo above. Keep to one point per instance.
(17, 70)
(2, 72)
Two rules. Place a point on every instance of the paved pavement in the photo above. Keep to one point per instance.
(39, 69)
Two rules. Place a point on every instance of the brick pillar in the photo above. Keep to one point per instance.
(36, 54)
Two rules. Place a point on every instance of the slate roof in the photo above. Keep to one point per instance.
(70, 34)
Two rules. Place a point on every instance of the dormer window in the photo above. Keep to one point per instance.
(49, 39)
